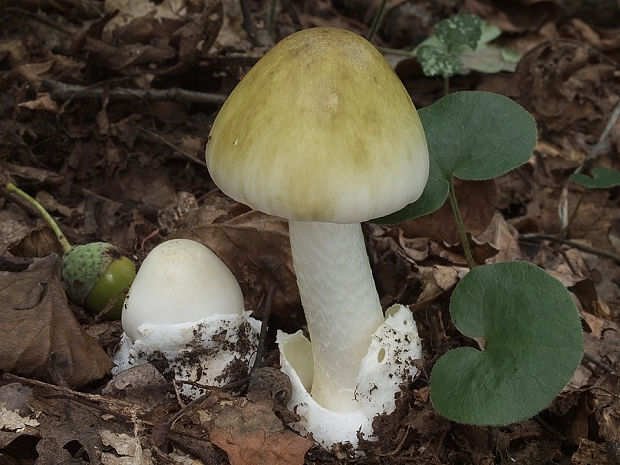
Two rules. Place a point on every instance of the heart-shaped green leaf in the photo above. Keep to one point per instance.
(602, 178)
(533, 344)
(472, 136)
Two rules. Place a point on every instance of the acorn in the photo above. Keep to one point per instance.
(95, 275)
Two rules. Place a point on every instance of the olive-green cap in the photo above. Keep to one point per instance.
(320, 129)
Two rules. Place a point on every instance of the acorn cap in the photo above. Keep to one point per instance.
(83, 266)
(320, 129)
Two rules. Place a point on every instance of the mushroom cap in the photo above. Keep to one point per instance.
(320, 129)
(180, 281)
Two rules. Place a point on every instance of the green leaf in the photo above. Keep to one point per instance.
(459, 30)
(533, 345)
(478, 135)
(602, 178)
(472, 136)
(489, 59)
(438, 62)
(488, 32)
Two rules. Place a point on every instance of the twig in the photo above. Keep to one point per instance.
(68, 100)
(185, 153)
(576, 245)
(270, 266)
(598, 364)
(64, 91)
(273, 286)
(83, 398)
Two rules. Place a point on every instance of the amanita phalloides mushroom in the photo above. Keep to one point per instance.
(186, 306)
(322, 132)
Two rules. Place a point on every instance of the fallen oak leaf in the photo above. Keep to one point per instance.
(40, 336)
(242, 239)
(251, 434)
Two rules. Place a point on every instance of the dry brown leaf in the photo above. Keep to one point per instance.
(251, 434)
(590, 453)
(42, 102)
(13, 227)
(33, 174)
(503, 237)
(16, 50)
(164, 38)
(392, 259)
(39, 336)
(602, 344)
(52, 205)
(599, 38)
(38, 242)
(477, 201)
(246, 241)
(602, 339)
(437, 280)
(563, 81)
(32, 72)
(141, 384)
(519, 18)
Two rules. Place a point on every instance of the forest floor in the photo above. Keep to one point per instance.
(105, 108)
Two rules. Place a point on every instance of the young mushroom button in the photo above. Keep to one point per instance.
(186, 306)
(322, 132)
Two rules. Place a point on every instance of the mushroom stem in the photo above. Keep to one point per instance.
(340, 302)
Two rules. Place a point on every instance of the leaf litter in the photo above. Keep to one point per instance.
(103, 117)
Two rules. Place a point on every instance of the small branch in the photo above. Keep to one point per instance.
(185, 153)
(273, 287)
(460, 226)
(270, 266)
(576, 245)
(64, 91)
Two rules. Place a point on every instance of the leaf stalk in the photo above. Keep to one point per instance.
(458, 219)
